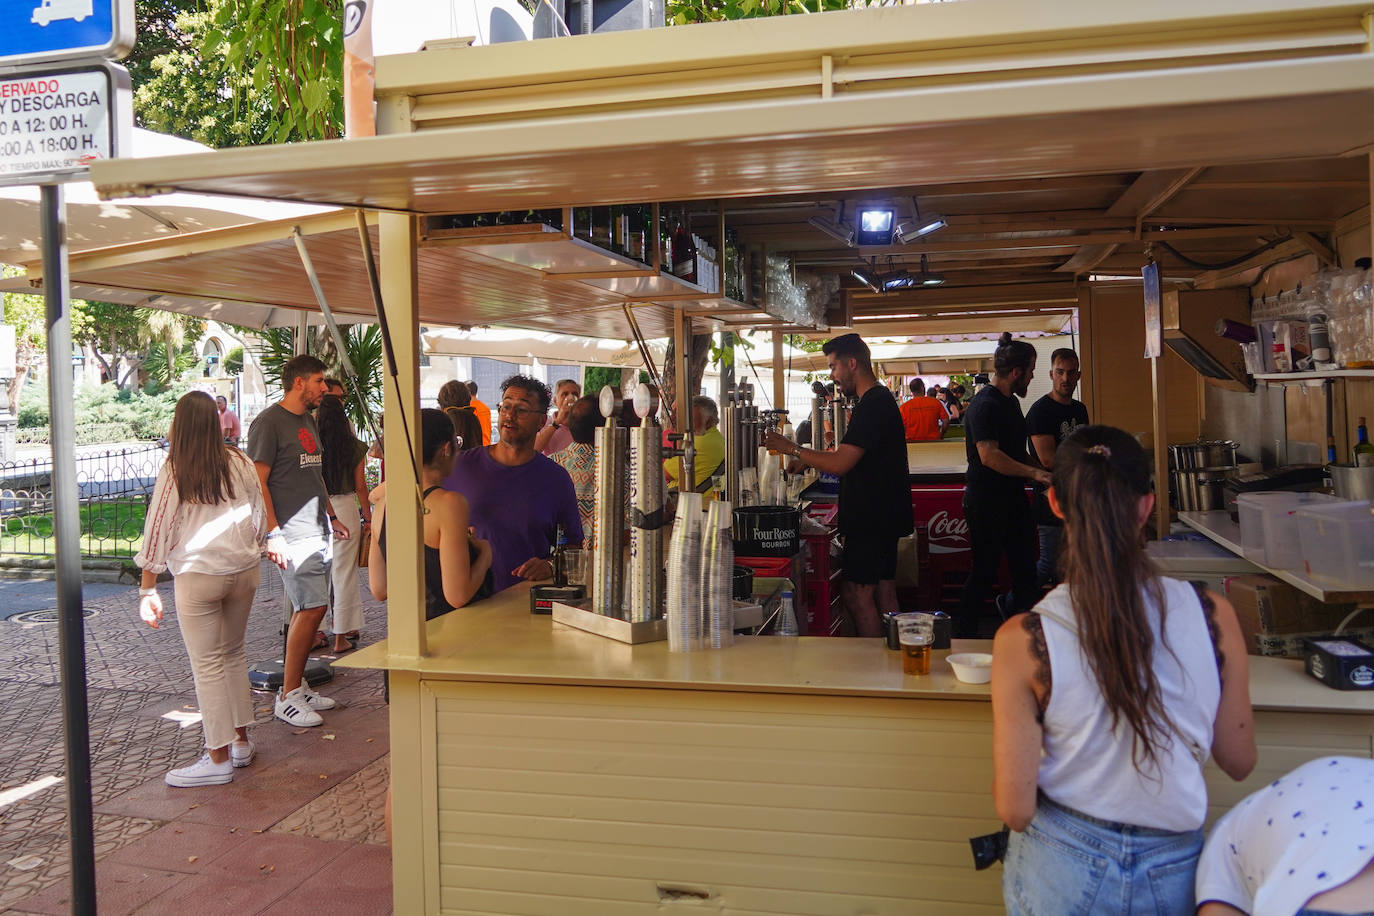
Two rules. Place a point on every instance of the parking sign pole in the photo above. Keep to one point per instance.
(67, 534)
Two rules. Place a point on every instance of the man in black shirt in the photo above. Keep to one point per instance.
(875, 496)
(1049, 421)
(995, 507)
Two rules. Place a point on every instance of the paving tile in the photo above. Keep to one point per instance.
(182, 846)
(120, 889)
(359, 880)
(134, 676)
(353, 810)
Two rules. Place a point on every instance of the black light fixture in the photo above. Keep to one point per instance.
(875, 225)
(868, 275)
(835, 228)
(918, 226)
(927, 278)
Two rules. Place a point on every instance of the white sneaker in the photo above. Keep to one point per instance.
(204, 772)
(317, 701)
(294, 709)
(241, 752)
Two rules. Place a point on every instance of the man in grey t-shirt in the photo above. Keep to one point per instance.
(285, 447)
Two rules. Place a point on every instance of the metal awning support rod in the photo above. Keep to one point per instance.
(374, 284)
(648, 360)
(347, 363)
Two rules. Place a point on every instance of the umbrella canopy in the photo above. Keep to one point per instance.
(94, 223)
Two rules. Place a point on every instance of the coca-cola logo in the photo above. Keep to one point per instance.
(948, 534)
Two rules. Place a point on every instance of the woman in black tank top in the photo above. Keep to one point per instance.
(457, 563)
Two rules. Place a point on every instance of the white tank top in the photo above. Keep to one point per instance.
(1087, 764)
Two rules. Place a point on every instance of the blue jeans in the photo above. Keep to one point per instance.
(1046, 571)
(1069, 864)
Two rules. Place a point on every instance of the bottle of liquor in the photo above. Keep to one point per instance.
(684, 253)
(559, 556)
(634, 231)
(1364, 450)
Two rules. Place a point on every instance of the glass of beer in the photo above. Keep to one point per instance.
(916, 633)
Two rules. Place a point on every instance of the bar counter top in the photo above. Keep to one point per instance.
(499, 641)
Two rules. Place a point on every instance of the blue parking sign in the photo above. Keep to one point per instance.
(36, 31)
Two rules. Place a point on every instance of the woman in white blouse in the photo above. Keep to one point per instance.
(206, 526)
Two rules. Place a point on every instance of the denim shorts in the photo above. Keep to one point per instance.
(1068, 864)
(306, 577)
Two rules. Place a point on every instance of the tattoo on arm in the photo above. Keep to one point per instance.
(1044, 679)
(1209, 612)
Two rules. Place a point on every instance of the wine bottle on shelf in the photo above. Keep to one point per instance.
(684, 253)
(1363, 452)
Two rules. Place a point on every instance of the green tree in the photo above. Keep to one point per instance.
(362, 342)
(292, 52)
(121, 337)
(684, 12)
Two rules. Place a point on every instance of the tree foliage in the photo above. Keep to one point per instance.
(240, 72)
(292, 53)
(363, 343)
(684, 12)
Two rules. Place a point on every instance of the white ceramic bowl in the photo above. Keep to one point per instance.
(972, 667)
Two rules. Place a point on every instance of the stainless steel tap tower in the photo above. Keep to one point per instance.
(647, 518)
(817, 425)
(840, 420)
(741, 429)
(608, 573)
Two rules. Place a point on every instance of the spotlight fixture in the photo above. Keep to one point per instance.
(898, 280)
(868, 276)
(918, 226)
(836, 228)
(875, 226)
(927, 278)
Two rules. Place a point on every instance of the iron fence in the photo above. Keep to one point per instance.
(114, 489)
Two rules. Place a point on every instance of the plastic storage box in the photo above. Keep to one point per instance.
(1268, 535)
(1338, 543)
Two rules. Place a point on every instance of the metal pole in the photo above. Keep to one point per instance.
(66, 519)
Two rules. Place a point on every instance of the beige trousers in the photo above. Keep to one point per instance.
(346, 613)
(212, 612)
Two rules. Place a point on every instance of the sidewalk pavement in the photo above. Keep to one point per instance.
(301, 828)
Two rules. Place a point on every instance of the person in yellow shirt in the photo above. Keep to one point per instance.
(710, 446)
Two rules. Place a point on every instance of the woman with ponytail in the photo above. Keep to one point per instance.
(1107, 699)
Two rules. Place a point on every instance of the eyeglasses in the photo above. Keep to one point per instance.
(518, 411)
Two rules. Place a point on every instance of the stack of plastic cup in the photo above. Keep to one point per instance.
(684, 576)
(718, 571)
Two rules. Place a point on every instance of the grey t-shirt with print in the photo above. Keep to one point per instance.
(290, 444)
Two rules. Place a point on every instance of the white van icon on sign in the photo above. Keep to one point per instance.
(52, 10)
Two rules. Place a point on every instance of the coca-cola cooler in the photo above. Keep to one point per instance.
(943, 549)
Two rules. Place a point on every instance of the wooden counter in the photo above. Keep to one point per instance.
(542, 769)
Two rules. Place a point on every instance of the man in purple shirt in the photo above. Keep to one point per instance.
(517, 496)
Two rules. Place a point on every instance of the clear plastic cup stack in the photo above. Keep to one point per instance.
(684, 576)
(718, 568)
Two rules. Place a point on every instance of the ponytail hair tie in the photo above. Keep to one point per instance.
(1099, 450)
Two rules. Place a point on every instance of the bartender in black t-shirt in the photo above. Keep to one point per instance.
(1050, 420)
(875, 496)
(995, 506)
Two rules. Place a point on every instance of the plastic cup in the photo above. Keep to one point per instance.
(916, 635)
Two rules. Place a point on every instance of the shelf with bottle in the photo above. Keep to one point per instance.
(638, 253)
(1286, 378)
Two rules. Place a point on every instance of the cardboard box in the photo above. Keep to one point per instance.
(1269, 608)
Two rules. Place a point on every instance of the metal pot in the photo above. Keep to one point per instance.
(1204, 453)
(1352, 482)
(1201, 490)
